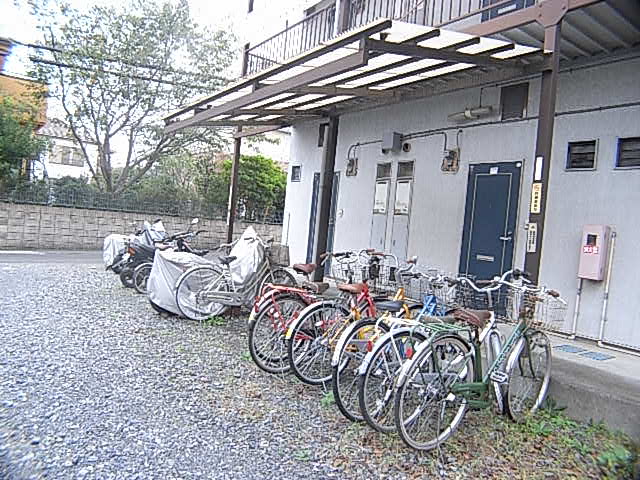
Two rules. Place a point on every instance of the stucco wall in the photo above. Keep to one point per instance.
(44, 227)
(605, 195)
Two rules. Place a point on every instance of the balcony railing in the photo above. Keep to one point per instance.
(320, 26)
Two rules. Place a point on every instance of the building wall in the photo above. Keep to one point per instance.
(57, 170)
(435, 233)
(44, 227)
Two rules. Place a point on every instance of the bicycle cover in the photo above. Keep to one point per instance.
(113, 245)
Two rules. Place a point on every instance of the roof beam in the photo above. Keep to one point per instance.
(239, 123)
(523, 16)
(248, 132)
(355, 60)
(333, 91)
(317, 52)
(275, 111)
(416, 51)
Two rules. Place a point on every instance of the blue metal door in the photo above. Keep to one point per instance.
(490, 219)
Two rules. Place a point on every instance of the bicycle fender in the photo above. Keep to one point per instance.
(335, 357)
(378, 345)
(511, 361)
(304, 313)
(258, 306)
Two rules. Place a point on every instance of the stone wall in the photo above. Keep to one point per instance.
(61, 228)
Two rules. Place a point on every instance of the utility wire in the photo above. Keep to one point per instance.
(115, 60)
(35, 59)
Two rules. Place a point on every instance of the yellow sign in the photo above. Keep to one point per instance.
(536, 197)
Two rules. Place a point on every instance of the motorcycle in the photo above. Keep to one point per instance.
(140, 256)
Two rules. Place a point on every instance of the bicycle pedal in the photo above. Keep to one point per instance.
(499, 377)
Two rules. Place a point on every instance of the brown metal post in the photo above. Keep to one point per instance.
(542, 160)
(324, 194)
(235, 166)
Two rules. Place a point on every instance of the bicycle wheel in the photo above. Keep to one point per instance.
(376, 384)
(311, 341)
(529, 370)
(267, 344)
(426, 411)
(280, 276)
(141, 276)
(351, 349)
(126, 276)
(193, 289)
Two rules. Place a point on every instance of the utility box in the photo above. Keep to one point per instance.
(391, 142)
(594, 249)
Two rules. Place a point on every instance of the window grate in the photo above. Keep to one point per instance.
(405, 169)
(581, 155)
(628, 152)
(513, 101)
(383, 170)
(322, 130)
(296, 173)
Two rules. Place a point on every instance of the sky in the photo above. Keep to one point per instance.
(17, 23)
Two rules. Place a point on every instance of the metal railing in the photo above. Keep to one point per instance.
(293, 40)
(132, 202)
(320, 26)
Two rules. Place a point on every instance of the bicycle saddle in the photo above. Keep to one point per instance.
(227, 260)
(304, 268)
(476, 318)
(392, 306)
(315, 287)
(354, 288)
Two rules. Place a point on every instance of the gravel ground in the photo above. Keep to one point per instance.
(95, 384)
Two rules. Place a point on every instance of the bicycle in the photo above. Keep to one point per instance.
(206, 291)
(360, 339)
(275, 309)
(313, 335)
(374, 379)
(445, 377)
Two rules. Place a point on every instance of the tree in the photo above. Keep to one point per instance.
(261, 185)
(17, 139)
(118, 70)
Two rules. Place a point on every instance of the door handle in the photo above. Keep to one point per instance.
(507, 237)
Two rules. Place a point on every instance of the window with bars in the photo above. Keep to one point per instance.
(513, 101)
(322, 131)
(581, 155)
(405, 169)
(383, 170)
(296, 173)
(67, 156)
(628, 153)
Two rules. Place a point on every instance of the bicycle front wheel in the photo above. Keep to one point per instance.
(376, 385)
(141, 276)
(356, 340)
(267, 344)
(426, 410)
(311, 342)
(529, 372)
(193, 291)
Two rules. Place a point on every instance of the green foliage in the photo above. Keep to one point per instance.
(261, 184)
(617, 460)
(118, 68)
(327, 400)
(17, 139)
(215, 321)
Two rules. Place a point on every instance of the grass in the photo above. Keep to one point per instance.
(547, 446)
(215, 321)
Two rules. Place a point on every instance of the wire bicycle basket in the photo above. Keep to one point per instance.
(278, 254)
(539, 309)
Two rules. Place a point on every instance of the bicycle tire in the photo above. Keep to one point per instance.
(126, 276)
(346, 362)
(436, 392)
(523, 368)
(141, 276)
(263, 327)
(376, 383)
(307, 335)
(191, 288)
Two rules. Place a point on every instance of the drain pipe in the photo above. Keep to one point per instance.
(605, 300)
(576, 311)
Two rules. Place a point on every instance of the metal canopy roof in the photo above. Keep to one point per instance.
(378, 61)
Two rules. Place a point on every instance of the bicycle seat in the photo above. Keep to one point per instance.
(354, 288)
(304, 268)
(315, 287)
(392, 306)
(476, 318)
(227, 260)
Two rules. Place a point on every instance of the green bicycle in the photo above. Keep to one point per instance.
(445, 378)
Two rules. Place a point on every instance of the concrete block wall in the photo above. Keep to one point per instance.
(61, 228)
